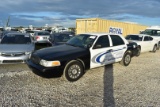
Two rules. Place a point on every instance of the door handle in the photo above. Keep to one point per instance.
(111, 50)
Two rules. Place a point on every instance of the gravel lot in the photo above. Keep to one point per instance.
(137, 85)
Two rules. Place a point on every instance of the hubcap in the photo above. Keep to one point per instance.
(74, 71)
(127, 59)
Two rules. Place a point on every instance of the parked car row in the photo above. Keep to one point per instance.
(45, 37)
(73, 54)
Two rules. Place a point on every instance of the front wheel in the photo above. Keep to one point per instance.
(154, 48)
(73, 71)
(126, 59)
(158, 47)
(138, 51)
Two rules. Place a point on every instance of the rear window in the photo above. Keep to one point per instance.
(43, 33)
(29, 31)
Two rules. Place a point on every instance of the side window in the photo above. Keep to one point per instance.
(146, 38)
(150, 38)
(116, 40)
(102, 42)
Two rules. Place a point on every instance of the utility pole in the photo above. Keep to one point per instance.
(7, 24)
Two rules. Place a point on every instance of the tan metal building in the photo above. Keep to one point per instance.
(102, 25)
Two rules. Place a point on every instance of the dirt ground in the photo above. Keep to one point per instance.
(137, 85)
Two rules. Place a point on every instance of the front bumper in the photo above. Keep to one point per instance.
(40, 68)
(14, 59)
(134, 51)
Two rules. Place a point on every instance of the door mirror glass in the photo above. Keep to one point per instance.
(97, 46)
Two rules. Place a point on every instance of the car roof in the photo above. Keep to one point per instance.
(41, 31)
(8, 31)
(100, 33)
(16, 33)
(62, 34)
(140, 34)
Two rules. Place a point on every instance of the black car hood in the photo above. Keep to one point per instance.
(60, 52)
(58, 43)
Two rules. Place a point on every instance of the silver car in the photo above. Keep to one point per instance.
(41, 36)
(16, 48)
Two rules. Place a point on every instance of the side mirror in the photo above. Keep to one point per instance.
(88, 46)
(97, 46)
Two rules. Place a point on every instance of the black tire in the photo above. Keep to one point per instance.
(158, 46)
(126, 59)
(73, 71)
(138, 51)
(154, 48)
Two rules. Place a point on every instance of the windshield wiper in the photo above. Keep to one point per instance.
(73, 45)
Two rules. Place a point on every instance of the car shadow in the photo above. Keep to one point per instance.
(108, 99)
(42, 45)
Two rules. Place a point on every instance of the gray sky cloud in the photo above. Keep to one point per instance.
(61, 11)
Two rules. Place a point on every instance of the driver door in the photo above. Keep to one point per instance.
(101, 52)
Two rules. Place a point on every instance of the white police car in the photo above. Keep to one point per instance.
(82, 52)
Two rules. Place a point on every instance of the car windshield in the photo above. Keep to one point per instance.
(43, 33)
(62, 38)
(134, 37)
(16, 39)
(151, 32)
(82, 40)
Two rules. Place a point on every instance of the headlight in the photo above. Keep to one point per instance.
(49, 63)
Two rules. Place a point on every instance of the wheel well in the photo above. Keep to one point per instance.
(139, 46)
(128, 51)
(79, 60)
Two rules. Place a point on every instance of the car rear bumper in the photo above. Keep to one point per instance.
(42, 41)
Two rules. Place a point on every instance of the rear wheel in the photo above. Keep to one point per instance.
(73, 71)
(126, 59)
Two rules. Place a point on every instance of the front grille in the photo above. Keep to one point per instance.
(12, 54)
(35, 59)
(13, 61)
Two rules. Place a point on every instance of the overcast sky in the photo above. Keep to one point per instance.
(65, 12)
